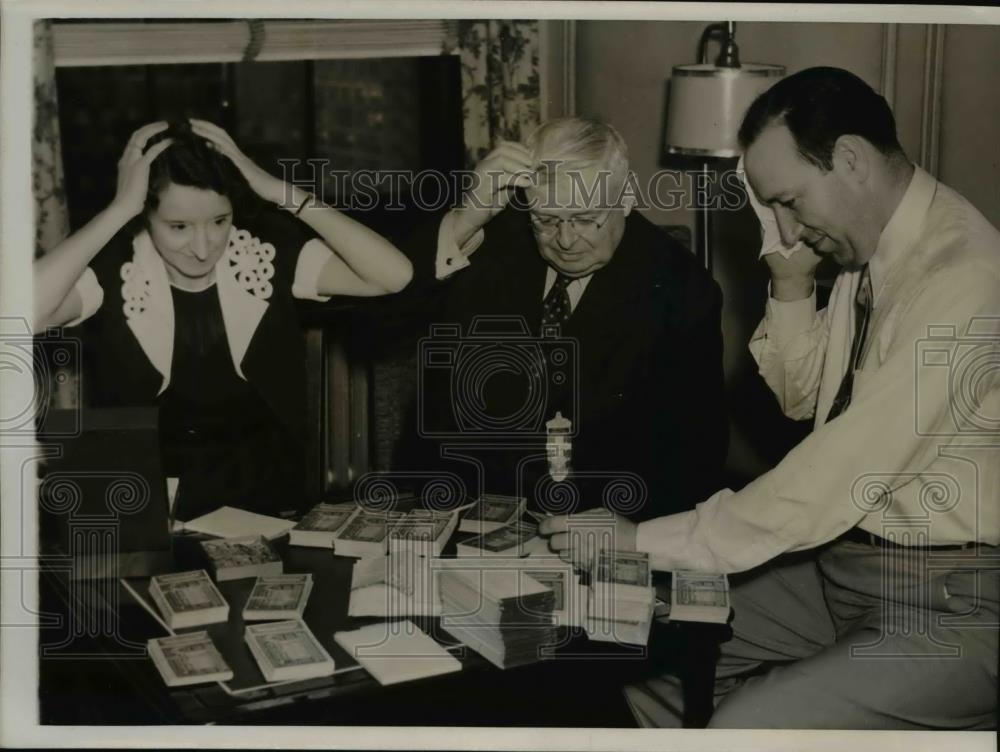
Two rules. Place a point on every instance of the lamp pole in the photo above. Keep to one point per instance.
(702, 218)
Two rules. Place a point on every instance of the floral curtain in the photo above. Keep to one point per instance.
(51, 215)
(500, 83)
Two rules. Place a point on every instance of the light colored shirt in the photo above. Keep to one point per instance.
(916, 455)
(451, 257)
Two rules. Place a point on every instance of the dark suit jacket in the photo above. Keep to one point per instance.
(646, 397)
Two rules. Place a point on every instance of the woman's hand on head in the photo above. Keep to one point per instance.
(263, 183)
(133, 168)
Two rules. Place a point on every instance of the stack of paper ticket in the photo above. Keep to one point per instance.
(622, 597)
(287, 650)
(188, 659)
(699, 596)
(278, 596)
(188, 599)
(365, 534)
(518, 539)
(491, 512)
(321, 523)
(236, 558)
(503, 614)
(424, 531)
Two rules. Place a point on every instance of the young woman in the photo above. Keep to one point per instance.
(185, 286)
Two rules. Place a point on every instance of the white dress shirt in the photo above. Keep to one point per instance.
(916, 456)
(451, 257)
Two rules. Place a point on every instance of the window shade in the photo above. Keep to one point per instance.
(172, 42)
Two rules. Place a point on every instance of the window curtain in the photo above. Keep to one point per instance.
(51, 215)
(500, 102)
(500, 83)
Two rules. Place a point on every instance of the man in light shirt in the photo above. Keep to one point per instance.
(864, 565)
(548, 238)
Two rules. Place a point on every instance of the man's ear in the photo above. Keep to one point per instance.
(852, 156)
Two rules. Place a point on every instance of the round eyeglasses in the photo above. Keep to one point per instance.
(548, 224)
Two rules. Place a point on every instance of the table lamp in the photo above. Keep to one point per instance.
(706, 106)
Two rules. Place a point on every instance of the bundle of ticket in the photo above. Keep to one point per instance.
(621, 597)
(699, 596)
(287, 650)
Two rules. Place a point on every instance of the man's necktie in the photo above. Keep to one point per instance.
(862, 313)
(555, 307)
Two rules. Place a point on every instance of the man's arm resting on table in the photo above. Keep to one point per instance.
(809, 498)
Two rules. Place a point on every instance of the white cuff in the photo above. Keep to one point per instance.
(789, 318)
(312, 259)
(665, 539)
(91, 296)
(450, 258)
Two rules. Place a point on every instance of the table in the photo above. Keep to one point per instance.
(100, 674)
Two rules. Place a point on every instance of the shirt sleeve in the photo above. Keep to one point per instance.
(789, 346)
(450, 257)
(313, 257)
(901, 420)
(91, 296)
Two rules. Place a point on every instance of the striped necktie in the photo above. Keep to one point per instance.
(862, 314)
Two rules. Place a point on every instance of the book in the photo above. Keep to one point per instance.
(320, 524)
(397, 651)
(188, 659)
(278, 597)
(699, 596)
(518, 539)
(287, 650)
(236, 558)
(188, 599)
(366, 534)
(230, 522)
(491, 512)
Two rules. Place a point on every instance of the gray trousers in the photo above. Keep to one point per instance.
(854, 636)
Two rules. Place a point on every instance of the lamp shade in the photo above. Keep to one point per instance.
(707, 105)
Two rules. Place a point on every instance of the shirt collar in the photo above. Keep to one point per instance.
(903, 229)
(579, 283)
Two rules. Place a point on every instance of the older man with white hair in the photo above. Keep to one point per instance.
(548, 236)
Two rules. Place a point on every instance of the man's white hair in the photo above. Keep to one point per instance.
(580, 143)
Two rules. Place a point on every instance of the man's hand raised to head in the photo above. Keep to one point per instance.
(576, 538)
(792, 278)
(506, 167)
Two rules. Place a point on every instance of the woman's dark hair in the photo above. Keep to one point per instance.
(190, 161)
(818, 106)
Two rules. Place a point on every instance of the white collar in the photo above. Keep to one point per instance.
(574, 289)
(903, 229)
(242, 276)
